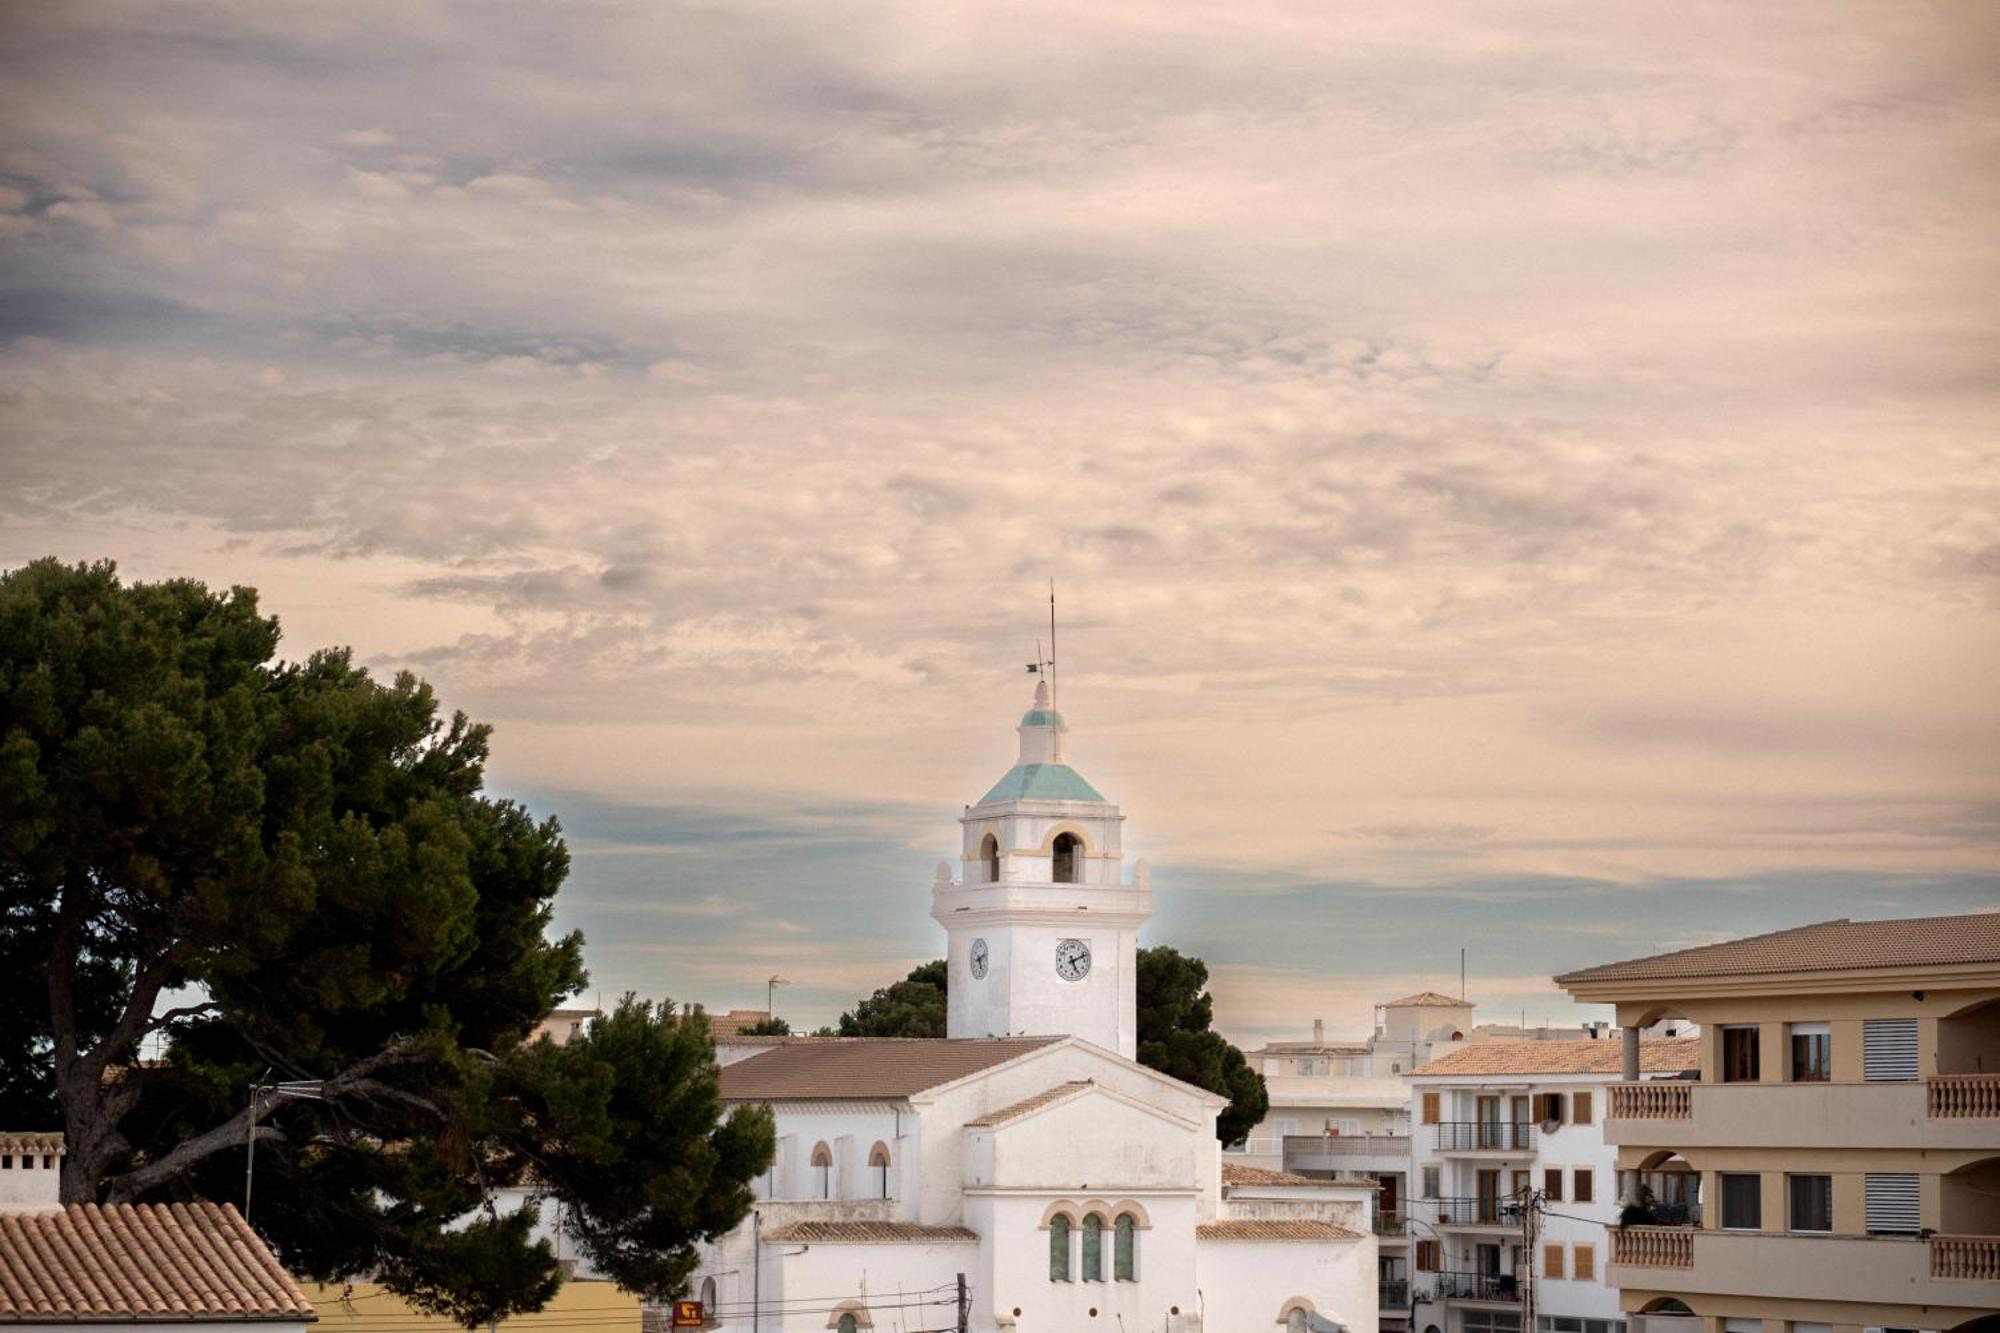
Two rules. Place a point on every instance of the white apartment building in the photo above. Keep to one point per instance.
(1515, 1189)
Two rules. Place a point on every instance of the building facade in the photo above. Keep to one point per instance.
(1837, 1165)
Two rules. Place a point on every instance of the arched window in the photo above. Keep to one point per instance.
(1295, 1321)
(878, 1162)
(847, 1324)
(1125, 1249)
(708, 1315)
(1059, 1248)
(822, 1169)
(1068, 847)
(1093, 1248)
(849, 1317)
(989, 852)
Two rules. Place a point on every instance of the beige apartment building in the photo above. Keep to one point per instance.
(1836, 1167)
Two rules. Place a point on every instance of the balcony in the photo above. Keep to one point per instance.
(1391, 1224)
(1485, 1136)
(1499, 1288)
(1934, 1279)
(1394, 1294)
(1472, 1211)
(1946, 1112)
(1346, 1152)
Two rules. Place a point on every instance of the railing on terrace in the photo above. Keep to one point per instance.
(1966, 1258)
(1469, 1210)
(1478, 1286)
(1391, 1224)
(1395, 1294)
(1347, 1145)
(1965, 1097)
(1652, 1101)
(1484, 1135)
(1653, 1247)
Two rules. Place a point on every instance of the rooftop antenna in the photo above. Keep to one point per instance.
(1461, 972)
(1052, 644)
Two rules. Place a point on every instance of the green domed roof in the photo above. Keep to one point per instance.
(1041, 782)
(1041, 717)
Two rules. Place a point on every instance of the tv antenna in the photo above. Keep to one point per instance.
(1045, 667)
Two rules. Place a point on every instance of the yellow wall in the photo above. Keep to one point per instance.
(586, 1307)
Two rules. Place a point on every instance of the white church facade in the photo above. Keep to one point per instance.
(1073, 1188)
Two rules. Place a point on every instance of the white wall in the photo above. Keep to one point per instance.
(1244, 1284)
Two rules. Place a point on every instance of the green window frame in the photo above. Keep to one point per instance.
(848, 1324)
(1124, 1248)
(1059, 1248)
(1093, 1248)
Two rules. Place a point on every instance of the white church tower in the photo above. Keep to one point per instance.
(1043, 931)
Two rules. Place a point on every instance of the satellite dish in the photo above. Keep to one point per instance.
(1551, 1125)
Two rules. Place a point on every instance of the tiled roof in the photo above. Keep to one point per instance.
(868, 1233)
(180, 1261)
(1027, 1104)
(1041, 782)
(31, 1142)
(1660, 1055)
(1233, 1174)
(1822, 947)
(866, 1067)
(1274, 1229)
(1427, 999)
(735, 1022)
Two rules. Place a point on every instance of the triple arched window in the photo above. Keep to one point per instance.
(1124, 1227)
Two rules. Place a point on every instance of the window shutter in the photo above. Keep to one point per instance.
(1552, 1261)
(1585, 1187)
(1580, 1108)
(1552, 1183)
(1892, 1202)
(1427, 1256)
(1585, 1267)
(1430, 1108)
(1889, 1049)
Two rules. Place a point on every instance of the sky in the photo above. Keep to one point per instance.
(1519, 478)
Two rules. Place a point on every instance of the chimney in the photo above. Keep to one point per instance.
(31, 1173)
(1319, 1030)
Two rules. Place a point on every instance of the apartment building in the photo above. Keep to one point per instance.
(1837, 1166)
(1515, 1187)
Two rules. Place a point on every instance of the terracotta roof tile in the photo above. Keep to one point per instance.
(31, 1142)
(1274, 1229)
(866, 1067)
(868, 1233)
(180, 1261)
(1925, 941)
(1048, 1097)
(1233, 1174)
(1660, 1055)
(1428, 999)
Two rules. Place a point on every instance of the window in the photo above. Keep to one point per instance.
(989, 852)
(1889, 1050)
(1433, 1182)
(1068, 845)
(847, 1325)
(1742, 1202)
(1093, 1248)
(878, 1162)
(1583, 1263)
(1552, 1184)
(1059, 1248)
(1491, 1321)
(1428, 1258)
(1892, 1203)
(707, 1298)
(1125, 1248)
(1580, 1109)
(1295, 1320)
(1552, 1261)
(1742, 1326)
(1739, 1054)
(1431, 1108)
(1549, 1106)
(1812, 1053)
(822, 1169)
(1811, 1202)
(1584, 1185)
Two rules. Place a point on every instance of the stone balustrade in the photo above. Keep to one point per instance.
(1652, 1101)
(1653, 1247)
(1966, 1258)
(1965, 1097)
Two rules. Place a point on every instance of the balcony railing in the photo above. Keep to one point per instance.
(1478, 1287)
(1395, 1294)
(1966, 1258)
(1472, 1211)
(1391, 1224)
(1348, 1145)
(1484, 1136)
(1653, 1247)
(1652, 1101)
(1965, 1097)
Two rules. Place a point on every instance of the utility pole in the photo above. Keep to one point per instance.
(1531, 1200)
(964, 1307)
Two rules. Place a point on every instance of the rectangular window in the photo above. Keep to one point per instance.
(1584, 1267)
(1812, 1053)
(1811, 1203)
(1552, 1261)
(1586, 1186)
(1579, 1107)
(1742, 1326)
(1552, 1184)
(1739, 1053)
(1742, 1202)
(1430, 1108)
(1889, 1050)
(1433, 1182)
(1427, 1257)
(1892, 1203)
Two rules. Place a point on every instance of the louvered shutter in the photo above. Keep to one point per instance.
(1889, 1049)
(1893, 1202)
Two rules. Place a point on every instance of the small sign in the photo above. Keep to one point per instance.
(687, 1314)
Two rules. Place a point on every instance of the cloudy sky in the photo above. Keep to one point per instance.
(1519, 477)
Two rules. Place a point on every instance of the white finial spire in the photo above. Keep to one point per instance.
(1043, 729)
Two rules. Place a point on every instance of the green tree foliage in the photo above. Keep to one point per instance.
(913, 1007)
(1175, 1032)
(770, 1027)
(288, 871)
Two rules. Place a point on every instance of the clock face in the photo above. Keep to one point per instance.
(979, 959)
(1072, 960)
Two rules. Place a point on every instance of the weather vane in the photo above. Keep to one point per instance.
(1046, 666)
